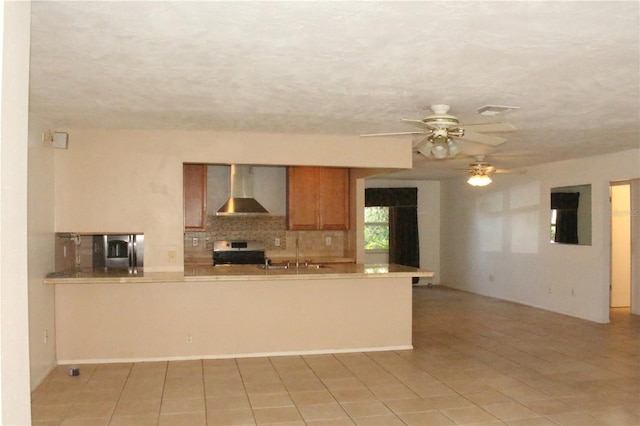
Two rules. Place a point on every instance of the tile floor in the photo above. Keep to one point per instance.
(476, 360)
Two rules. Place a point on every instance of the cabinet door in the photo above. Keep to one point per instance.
(302, 212)
(195, 196)
(333, 198)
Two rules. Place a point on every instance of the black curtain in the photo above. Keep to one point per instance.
(404, 248)
(566, 206)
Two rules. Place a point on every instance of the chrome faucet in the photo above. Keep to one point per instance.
(297, 253)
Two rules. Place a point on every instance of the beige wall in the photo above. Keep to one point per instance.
(40, 252)
(114, 181)
(14, 329)
(111, 322)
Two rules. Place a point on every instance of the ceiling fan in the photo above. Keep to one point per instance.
(440, 128)
(481, 172)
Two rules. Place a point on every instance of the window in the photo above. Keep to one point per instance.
(376, 228)
(554, 218)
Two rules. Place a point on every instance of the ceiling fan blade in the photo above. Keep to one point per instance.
(418, 123)
(392, 134)
(490, 127)
(481, 138)
(513, 172)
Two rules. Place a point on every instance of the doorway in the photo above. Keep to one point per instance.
(620, 288)
(624, 286)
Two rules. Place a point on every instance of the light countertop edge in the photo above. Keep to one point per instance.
(239, 273)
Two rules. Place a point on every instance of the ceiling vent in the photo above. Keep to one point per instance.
(492, 110)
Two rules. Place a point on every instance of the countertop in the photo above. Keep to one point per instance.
(236, 273)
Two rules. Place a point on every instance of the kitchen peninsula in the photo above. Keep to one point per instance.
(232, 311)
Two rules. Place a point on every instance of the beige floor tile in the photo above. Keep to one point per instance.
(617, 416)
(137, 407)
(313, 397)
(510, 411)
(427, 418)
(394, 391)
(228, 403)
(49, 412)
(430, 389)
(389, 420)
(183, 419)
(469, 415)
(366, 409)
(265, 388)
(332, 422)
(534, 421)
(410, 405)
(550, 406)
(353, 395)
(231, 417)
(578, 418)
(183, 405)
(138, 420)
(87, 421)
(329, 411)
(304, 385)
(97, 409)
(270, 400)
(444, 402)
(182, 392)
(276, 415)
(487, 397)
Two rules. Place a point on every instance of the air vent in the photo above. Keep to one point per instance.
(492, 110)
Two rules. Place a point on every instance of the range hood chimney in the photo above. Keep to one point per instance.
(241, 202)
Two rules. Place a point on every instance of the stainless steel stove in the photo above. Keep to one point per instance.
(238, 253)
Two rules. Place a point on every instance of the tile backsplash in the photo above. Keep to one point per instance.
(198, 246)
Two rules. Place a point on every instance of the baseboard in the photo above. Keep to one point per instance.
(38, 381)
(227, 356)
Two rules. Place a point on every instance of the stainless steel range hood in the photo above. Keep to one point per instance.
(241, 202)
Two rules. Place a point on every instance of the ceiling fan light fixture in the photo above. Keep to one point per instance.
(426, 148)
(440, 151)
(479, 180)
(453, 147)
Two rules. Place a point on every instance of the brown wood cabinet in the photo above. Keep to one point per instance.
(317, 198)
(195, 196)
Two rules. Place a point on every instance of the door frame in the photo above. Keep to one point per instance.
(634, 214)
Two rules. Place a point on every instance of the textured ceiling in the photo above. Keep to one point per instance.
(347, 68)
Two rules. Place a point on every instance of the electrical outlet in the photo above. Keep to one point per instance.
(194, 241)
(189, 338)
(276, 242)
(327, 241)
(46, 336)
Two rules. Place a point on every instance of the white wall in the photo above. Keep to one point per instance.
(40, 251)
(428, 221)
(495, 239)
(14, 329)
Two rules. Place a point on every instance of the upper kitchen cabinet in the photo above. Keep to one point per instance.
(195, 196)
(317, 198)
